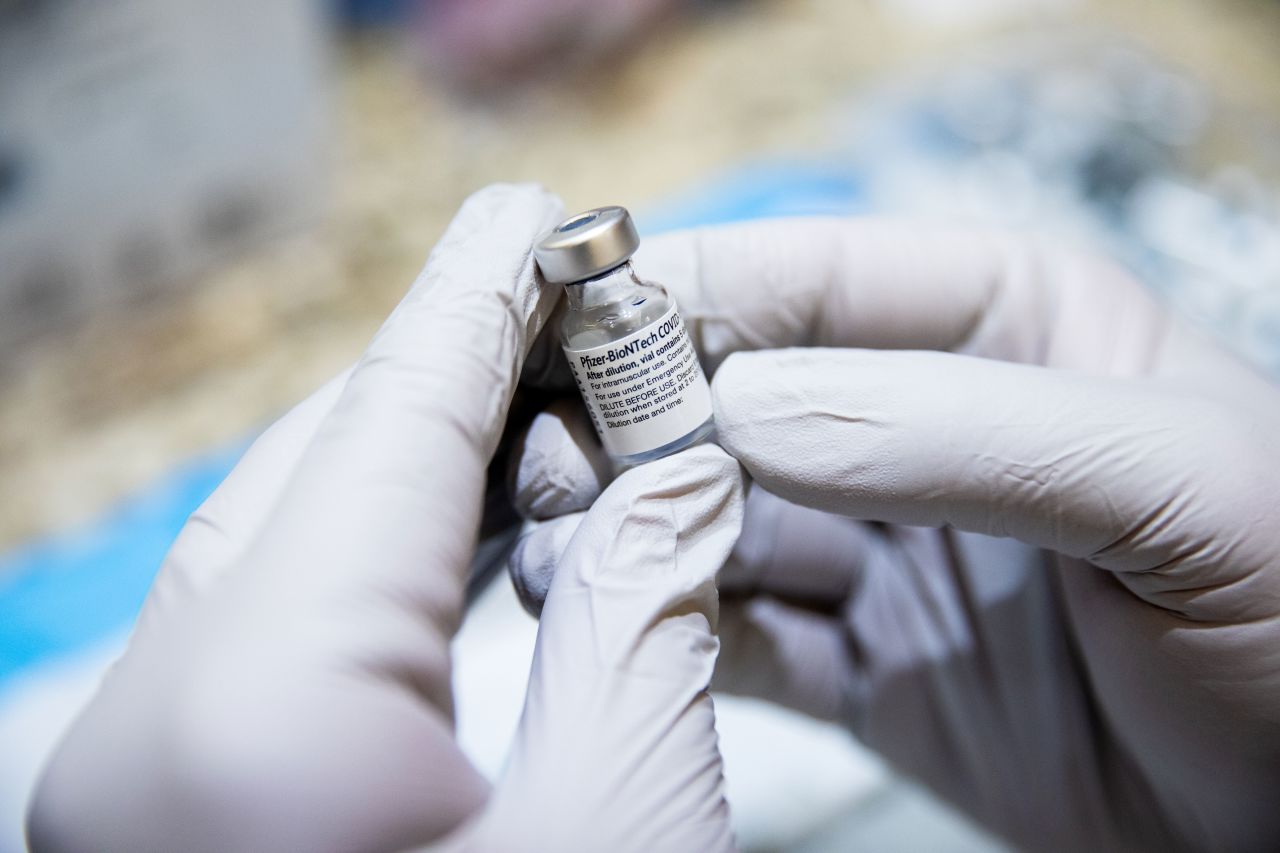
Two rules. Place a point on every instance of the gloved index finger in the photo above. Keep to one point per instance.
(874, 283)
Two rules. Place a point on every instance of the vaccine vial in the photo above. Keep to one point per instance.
(626, 342)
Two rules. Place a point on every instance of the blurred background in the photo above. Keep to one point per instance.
(207, 208)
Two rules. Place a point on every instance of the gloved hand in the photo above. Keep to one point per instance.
(288, 684)
(1034, 561)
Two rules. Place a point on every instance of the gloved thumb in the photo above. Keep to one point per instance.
(1132, 475)
(617, 747)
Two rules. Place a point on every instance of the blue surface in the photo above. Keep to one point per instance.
(63, 593)
(762, 190)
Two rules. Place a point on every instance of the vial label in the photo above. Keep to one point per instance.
(644, 390)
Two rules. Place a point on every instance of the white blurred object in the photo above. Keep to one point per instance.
(35, 709)
(144, 139)
(787, 774)
(492, 653)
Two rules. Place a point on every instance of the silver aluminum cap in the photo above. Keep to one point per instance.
(587, 244)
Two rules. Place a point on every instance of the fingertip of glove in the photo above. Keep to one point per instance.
(686, 495)
(558, 467)
(703, 466)
(650, 549)
(530, 577)
(532, 564)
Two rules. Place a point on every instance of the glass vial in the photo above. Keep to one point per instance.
(625, 340)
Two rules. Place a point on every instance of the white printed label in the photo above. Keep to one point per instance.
(644, 390)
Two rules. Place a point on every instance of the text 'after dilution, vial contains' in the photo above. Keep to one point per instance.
(626, 342)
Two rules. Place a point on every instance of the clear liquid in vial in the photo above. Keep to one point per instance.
(608, 308)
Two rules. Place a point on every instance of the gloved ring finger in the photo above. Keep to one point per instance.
(532, 564)
(558, 465)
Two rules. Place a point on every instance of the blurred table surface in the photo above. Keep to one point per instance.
(96, 413)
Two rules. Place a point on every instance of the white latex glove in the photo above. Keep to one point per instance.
(288, 683)
(1064, 614)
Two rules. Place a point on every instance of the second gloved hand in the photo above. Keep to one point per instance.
(1033, 560)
